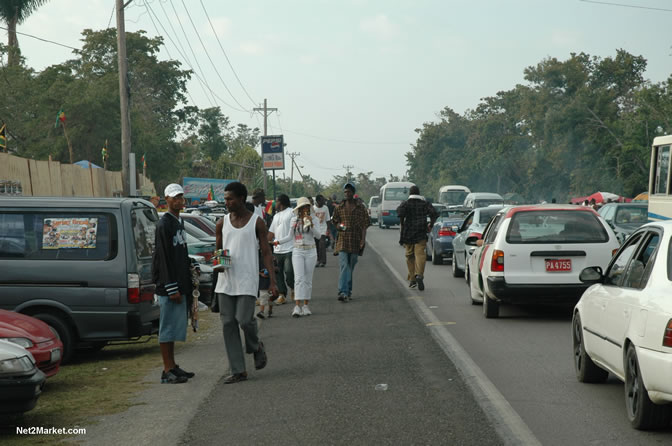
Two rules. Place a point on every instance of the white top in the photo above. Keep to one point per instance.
(259, 210)
(281, 228)
(322, 215)
(303, 239)
(242, 278)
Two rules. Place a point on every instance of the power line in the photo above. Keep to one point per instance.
(626, 6)
(109, 22)
(208, 54)
(43, 40)
(225, 56)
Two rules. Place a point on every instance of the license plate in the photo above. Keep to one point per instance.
(558, 265)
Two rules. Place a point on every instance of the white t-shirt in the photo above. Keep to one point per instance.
(322, 215)
(281, 227)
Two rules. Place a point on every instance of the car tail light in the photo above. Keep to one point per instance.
(497, 261)
(614, 251)
(386, 213)
(445, 232)
(133, 289)
(667, 337)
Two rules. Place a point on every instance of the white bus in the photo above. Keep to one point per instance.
(660, 189)
(453, 195)
(391, 195)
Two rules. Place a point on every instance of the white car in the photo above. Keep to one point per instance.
(534, 254)
(623, 325)
(473, 224)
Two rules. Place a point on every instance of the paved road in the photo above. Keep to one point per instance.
(527, 354)
(319, 386)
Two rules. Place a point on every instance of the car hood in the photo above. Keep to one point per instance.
(17, 325)
(10, 350)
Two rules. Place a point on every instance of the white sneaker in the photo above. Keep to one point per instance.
(306, 311)
(297, 311)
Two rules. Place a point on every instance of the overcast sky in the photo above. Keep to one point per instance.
(353, 79)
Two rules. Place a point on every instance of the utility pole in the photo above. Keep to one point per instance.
(124, 93)
(292, 155)
(347, 169)
(265, 111)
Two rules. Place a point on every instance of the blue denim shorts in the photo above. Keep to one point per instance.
(172, 320)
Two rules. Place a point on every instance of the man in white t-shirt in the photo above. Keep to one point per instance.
(280, 228)
(322, 215)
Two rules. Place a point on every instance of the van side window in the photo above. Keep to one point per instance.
(58, 236)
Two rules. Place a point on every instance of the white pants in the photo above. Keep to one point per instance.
(303, 261)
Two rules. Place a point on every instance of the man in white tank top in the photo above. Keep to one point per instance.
(240, 232)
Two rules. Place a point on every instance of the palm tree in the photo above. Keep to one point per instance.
(14, 12)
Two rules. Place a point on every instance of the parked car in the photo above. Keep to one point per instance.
(374, 202)
(482, 199)
(624, 218)
(200, 222)
(205, 249)
(473, 224)
(533, 254)
(453, 195)
(440, 240)
(623, 325)
(38, 338)
(21, 382)
(82, 265)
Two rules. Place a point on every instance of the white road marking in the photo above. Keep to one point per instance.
(506, 421)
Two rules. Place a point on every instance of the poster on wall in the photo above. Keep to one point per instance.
(69, 233)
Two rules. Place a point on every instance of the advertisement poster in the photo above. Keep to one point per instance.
(273, 152)
(69, 233)
(199, 187)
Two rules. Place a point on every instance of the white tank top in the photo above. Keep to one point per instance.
(242, 279)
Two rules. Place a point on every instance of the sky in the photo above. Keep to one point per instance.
(353, 79)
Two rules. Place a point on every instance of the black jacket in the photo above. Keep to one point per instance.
(170, 263)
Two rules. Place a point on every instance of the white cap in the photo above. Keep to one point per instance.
(173, 190)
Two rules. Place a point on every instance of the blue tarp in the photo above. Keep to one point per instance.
(85, 164)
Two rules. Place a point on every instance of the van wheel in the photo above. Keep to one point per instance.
(436, 259)
(490, 307)
(65, 332)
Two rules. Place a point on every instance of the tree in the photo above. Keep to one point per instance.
(14, 12)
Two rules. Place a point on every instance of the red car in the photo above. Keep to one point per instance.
(36, 337)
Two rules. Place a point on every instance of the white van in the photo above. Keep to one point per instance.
(374, 203)
(482, 200)
(453, 195)
(391, 195)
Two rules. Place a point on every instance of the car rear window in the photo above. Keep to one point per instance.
(556, 227)
(58, 236)
(396, 194)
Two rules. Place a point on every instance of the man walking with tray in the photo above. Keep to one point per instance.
(241, 233)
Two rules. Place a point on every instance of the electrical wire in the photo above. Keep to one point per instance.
(208, 55)
(225, 55)
(43, 40)
(109, 22)
(627, 6)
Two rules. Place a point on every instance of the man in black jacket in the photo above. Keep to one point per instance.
(172, 275)
(413, 215)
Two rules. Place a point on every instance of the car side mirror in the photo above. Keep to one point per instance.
(591, 275)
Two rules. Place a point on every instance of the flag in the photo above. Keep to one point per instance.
(269, 207)
(144, 161)
(3, 137)
(103, 152)
(211, 194)
(60, 117)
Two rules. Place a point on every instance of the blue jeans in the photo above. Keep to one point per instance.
(347, 262)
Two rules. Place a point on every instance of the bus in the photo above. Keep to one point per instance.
(391, 195)
(660, 189)
(453, 195)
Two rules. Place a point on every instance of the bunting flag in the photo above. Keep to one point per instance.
(270, 205)
(103, 152)
(144, 161)
(211, 194)
(3, 137)
(60, 117)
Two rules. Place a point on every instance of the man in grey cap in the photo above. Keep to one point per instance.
(351, 220)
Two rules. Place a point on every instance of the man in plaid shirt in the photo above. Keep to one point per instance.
(351, 220)
(413, 215)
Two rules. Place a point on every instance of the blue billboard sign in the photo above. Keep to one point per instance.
(199, 187)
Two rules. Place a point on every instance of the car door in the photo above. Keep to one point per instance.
(622, 303)
(595, 299)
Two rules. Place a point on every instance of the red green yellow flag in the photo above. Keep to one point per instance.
(60, 117)
(270, 206)
(211, 194)
(144, 161)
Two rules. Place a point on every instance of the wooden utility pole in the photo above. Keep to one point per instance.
(347, 169)
(124, 94)
(67, 138)
(265, 111)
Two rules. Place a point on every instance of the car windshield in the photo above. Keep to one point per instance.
(396, 193)
(627, 215)
(452, 197)
(485, 215)
(484, 203)
(556, 227)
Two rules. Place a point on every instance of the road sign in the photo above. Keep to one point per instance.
(273, 152)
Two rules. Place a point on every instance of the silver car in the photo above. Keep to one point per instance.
(475, 222)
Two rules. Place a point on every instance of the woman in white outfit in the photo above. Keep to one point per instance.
(304, 232)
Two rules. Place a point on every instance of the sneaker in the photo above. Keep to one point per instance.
(235, 378)
(421, 284)
(306, 311)
(280, 300)
(260, 315)
(297, 311)
(342, 297)
(412, 284)
(260, 358)
(171, 378)
(179, 372)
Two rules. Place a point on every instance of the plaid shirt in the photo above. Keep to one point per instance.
(355, 219)
(413, 214)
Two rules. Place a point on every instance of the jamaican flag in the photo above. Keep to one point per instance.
(3, 137)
